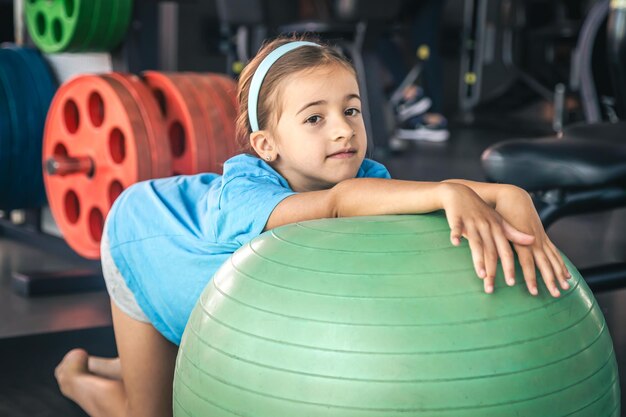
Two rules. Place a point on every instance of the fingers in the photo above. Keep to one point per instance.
(527, 262)
(476, 248)
(507, 259)
(491, 244)
(496, 245)
(456, 232)
(489, 240)
(547, 273)
(558, 266)
(516, 236)
(487, 243)
(549, 263)
(490, 255)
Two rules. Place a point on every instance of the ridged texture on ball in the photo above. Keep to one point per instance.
(383, 317)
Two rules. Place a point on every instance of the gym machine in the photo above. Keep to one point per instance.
(554, 54)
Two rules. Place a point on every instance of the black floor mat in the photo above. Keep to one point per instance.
(27, 384)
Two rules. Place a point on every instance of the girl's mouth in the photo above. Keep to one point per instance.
(343, 154)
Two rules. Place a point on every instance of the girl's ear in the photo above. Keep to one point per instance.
(263, 144)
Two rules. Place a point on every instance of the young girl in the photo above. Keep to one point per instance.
(305, 143)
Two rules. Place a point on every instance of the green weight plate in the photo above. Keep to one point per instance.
(40, 17)
(84, 23)
(117, 7)
(99, 22)
(119, 24)
(59, 25)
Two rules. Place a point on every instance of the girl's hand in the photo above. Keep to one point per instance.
(516, 206)
(487, 232)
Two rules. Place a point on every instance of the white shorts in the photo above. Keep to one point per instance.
(123, 298)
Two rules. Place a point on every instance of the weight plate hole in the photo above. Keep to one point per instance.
(177, 139)
(96, 109)
(57, 30)
(96, 224)
(71, 116)
(40, 22)
(72, 207)
(115, 189)
(69, 8)
(117, 146)
(160, 97)
(60, 150)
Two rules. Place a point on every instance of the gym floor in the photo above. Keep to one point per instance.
(31, 347)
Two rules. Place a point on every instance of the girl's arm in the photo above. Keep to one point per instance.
(468, 215)
(360, 197)
(489, 192)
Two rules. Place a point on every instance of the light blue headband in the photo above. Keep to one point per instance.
(261, 72)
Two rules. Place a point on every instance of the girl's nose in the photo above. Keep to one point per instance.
(343, 131)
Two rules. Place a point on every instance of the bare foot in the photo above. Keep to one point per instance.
(73, 364)
(106, 367)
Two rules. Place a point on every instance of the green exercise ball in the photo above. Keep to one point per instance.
(383, 317)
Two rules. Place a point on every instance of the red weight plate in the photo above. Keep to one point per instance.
(222, 87)
(228, 113)
(160, 155)
(185, 131)
(216, 124)
(230, 86)
(96, 120)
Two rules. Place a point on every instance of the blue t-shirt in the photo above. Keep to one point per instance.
(169, 236)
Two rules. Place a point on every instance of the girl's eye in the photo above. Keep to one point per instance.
(353, 111)
(313, 120)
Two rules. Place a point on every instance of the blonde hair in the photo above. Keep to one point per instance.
(300, 59)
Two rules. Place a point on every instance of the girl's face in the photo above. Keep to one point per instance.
(320, 137)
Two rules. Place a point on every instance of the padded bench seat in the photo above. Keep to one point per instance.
(589, 156)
